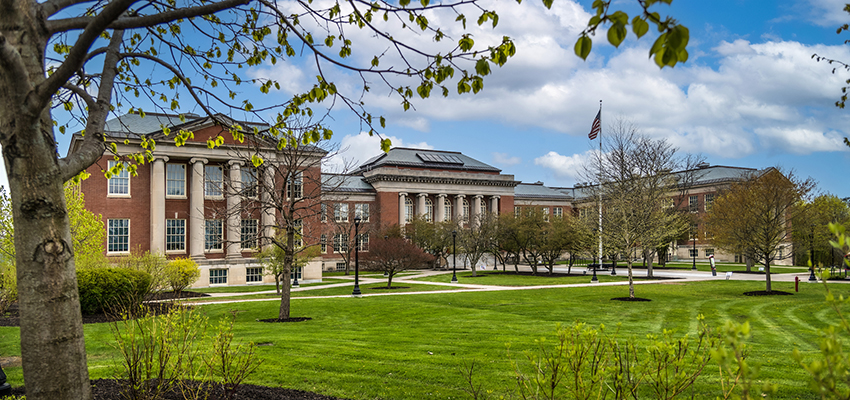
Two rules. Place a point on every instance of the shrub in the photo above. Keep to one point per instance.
(103, 288)
(181, 273)
(8, 285)
(154, 264)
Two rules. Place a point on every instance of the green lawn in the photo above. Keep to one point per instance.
(543, 278)
(255, 288)
(368, 288)
(411, 347)
(774, 269)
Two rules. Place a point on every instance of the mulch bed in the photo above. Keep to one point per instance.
(111, 389)
(12, 315)
(630, 299)
(290, 319)
(766, 293)
(544, 273)
(389, 288)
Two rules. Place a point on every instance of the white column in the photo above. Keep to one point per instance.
(158, 204)
(441, 208)
(234, 212)
(402, 196)
(475, 213)
(494, 204)
(196, 210)
(420, 204)
(458, 208)
(268, 217)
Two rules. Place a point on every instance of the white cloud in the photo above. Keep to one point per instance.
(566, 169)
(829, 13)
(357, 149)
(505, 159)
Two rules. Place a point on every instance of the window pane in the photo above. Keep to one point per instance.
(249, 233)
(254, 274)
(212, 234)
(118, 235)
(175, 234)
(218, 276)
(119, 183)
(175, 180)
(249, 182)
(213, 181)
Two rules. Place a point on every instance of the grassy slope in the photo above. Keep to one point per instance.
(378, 347)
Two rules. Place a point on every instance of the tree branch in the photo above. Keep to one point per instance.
(13, 65)
(51, 7)
(67, 24)
(44, 91)
(177, 73)
(90, 101)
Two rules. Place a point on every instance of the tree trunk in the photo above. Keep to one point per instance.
(767, 276)
(631, 279)
(288, 260)
(649, 257)
(390, 279)
(285, 296)
(51, 330)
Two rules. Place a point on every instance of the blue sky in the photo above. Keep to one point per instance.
(750, 94)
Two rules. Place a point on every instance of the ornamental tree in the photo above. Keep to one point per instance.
(392, 255)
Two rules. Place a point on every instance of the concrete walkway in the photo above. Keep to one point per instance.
(679, 275)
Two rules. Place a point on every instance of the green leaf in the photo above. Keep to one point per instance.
(583, 46)
(639, 27)
(548, 3)
(386, 144)
(616, 34)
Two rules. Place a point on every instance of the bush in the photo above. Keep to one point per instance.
(8, 285)
(181, 273)
(154, 264)
(104, 288)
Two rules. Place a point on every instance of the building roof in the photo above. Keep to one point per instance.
(423, 158)
(538, 191)
(133, 125)
(345, 183)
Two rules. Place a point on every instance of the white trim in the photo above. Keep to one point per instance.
(185, 185)
(112, 253)
(110, 164)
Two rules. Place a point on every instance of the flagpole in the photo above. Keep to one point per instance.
(599, 182)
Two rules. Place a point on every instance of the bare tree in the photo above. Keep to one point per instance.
(392, 255)
(755, 215)
(476, 238)
(434, 238)
(635, 182)
(338, 217)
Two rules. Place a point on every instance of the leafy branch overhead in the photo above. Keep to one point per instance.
(669, 49)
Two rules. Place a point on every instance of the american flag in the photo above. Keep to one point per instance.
(597, 126)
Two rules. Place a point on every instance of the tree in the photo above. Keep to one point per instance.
(392, 255)
(435, 238)
(756, 214)
(339, 228)
(636, 185)
(811, 233)
(507, 244)
(476, 239)
(273, 259)
(84, 57)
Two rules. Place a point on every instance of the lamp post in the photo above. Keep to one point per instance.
(595, 279)
(356, 292)
(694, 252)
(454, 256)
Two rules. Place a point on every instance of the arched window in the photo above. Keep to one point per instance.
(447, 204)
(465, 215)
(483, 210)
(429, 210)
(408, 209)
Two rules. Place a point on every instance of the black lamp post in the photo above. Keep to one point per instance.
(595, 279)
(694, 252)
(812, 277)
(356, 292)
(454, 256)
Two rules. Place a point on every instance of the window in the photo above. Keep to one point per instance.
(212, 235)
(324, 213)
(249, 182)
(780, 253)
(218, 276)
(429, 210)
(363, 242)
(692, 253)
(213, 181)
(248, 235)
(298, 271)
(408, 209)
(118, 236)
(340, 266)
(341, 243)
(324, 243)
(483, 207)
(583, 212)
(299, 233)
(119, 184)
(465, 216)
(739, 258)
(341, 212)
(295, 187)
(254, 274)
(546, 214)
(559, 212)
(175, 235)
(362, 211)
(175, 180)
(709, 252)
(447, 204)
(709, 201)
(517, 211)
(693, 203)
